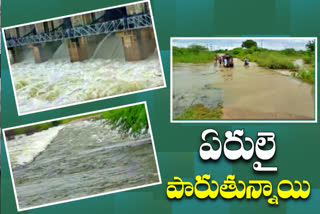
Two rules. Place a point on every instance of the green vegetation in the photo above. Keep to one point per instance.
(273, 59)
(199, 111)
(307, 76)
(282, 59)
(249, 44)
(263, 57)
(311, 46)
(268, 58)
(192, 54)
(132, 118)
(29, 129)
(308, 58)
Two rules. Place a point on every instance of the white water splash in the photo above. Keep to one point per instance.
(23, 149)
(87, 157)
(59, 82)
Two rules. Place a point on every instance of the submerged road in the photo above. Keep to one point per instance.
(245, 92)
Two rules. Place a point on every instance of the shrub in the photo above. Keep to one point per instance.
(199, 111)
(132, 118)
(307, 76)
(193, 54)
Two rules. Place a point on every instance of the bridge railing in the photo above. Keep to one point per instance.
(127, 23)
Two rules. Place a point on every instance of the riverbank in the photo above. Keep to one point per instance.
(130, 120)
(199, 112)
(273, 59)
(195, 54)
(300, 64)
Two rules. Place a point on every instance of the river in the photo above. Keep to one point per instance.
(58, 82)
(245, 92)
(79, 159)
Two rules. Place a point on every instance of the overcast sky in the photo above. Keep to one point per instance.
(214, 44)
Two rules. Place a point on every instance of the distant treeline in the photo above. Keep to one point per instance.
(281, 59)
(192, 54)
(132, 118)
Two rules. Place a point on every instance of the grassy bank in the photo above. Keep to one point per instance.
(193, 54)
(273, 59)
(132, 118)
(306, 76)
(199, 112)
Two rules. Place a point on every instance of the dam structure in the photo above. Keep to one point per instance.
(82, 33)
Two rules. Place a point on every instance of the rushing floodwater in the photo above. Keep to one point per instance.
(245, 92)
(77, 160)
(58, 82)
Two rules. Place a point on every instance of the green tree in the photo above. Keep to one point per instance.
(198, 48)
(289, 51)
(249, 44)
(310, 46)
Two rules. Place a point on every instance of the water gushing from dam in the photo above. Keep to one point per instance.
(58, 82)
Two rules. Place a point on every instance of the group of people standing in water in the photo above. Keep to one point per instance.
(227, 60)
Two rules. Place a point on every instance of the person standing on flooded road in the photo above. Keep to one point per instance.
(231, 62)
(215, 60)
(220, 60)
(246, 62)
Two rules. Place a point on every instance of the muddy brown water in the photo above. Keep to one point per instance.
(246, 92)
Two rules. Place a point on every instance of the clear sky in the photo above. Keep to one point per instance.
(214, 44)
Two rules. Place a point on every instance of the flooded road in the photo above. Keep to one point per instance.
(245, 92)
(77, 160)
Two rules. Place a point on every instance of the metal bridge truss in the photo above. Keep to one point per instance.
(127, 23)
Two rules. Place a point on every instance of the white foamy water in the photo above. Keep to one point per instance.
(23, 149)
(84, 158)
(59, 82)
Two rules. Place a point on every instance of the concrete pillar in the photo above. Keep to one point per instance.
(78, 49)
(81, 20)
(39, 28)
(39, 53)
(135, 9)
(149, 41)
(57, 22)
(11, 56)
(15, 54)
(138, 44)
(14, 32)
